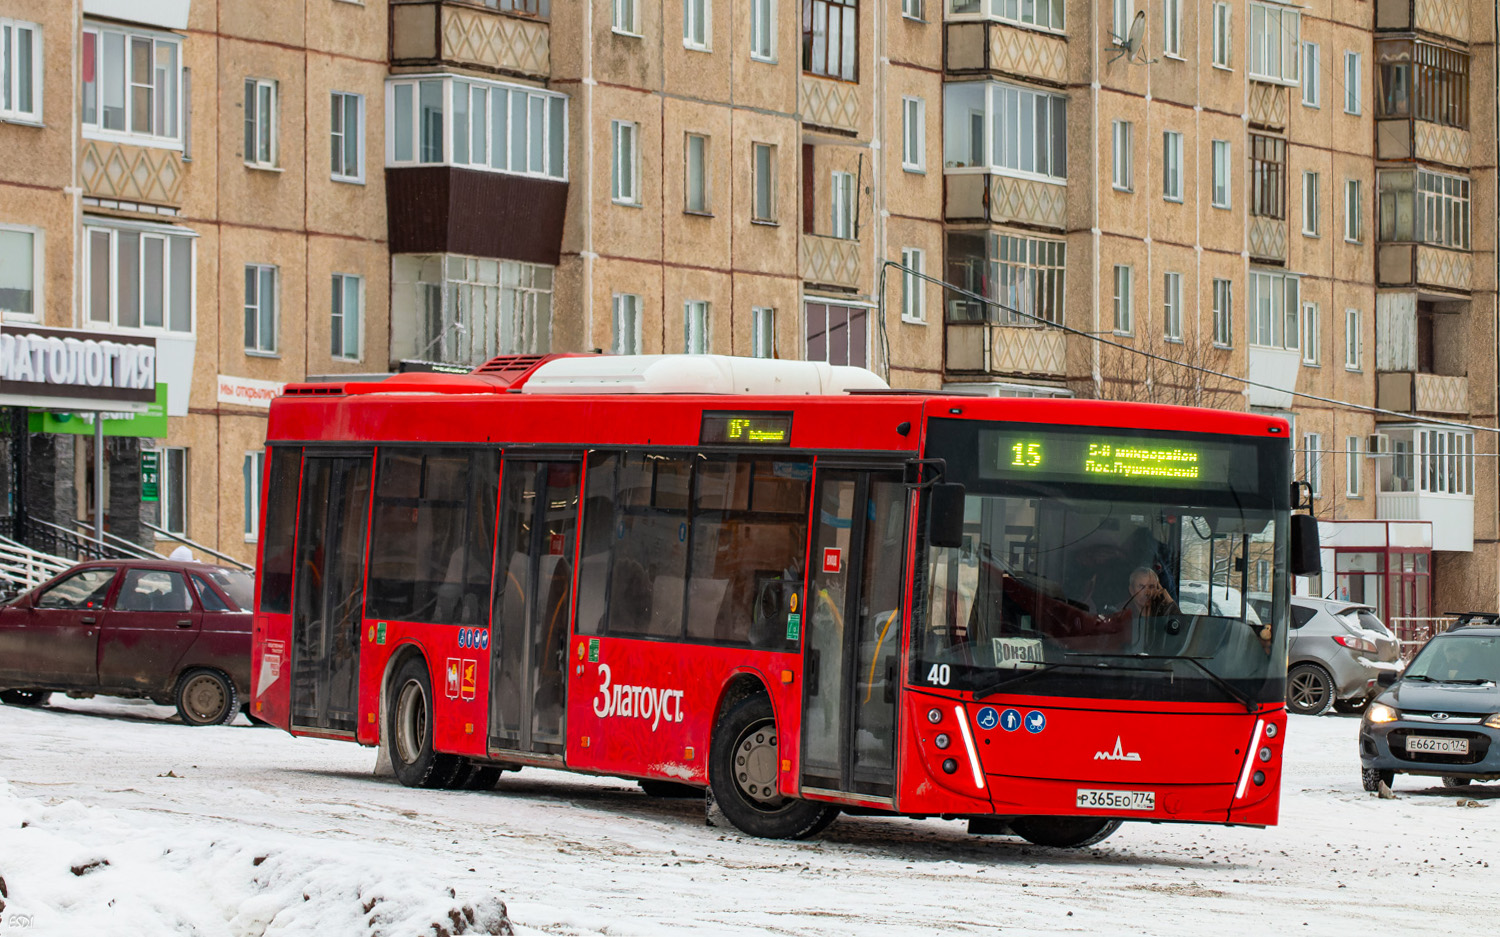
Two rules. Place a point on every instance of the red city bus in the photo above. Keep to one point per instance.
(786, 584)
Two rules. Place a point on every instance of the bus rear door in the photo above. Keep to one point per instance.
(853, 640)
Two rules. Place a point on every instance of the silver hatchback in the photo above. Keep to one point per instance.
(1337, 650)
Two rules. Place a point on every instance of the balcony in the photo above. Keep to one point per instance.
(1268, 239)
(993, 198)
(1269, 105)
(1273, 373)
(1419, 140)
(126, 173)
(830, 104)
(990, 48)
(1005, 350)
(1416, 392)
(454, 210)
(830, 261)
(1417, 265)
(467, 35)
(1452, 515)
(1445, 18)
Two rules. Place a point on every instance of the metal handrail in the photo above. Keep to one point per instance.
(117, 542)
(28, 568)
(64, 540)
(197, 546)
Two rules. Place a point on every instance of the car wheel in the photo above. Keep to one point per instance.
(742, 772)
(1350, 707)
(24, 697)
(1371, 779)
(670, 789)
(1063, 832)
(206, 698)
(1309, 690)
(409, 731)
(1450, 781)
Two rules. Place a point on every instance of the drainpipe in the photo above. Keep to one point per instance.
(587, 124)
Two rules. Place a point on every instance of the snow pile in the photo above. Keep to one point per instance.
(70, 868)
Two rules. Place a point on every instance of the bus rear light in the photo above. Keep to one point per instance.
(1260, 726)
(963, 726)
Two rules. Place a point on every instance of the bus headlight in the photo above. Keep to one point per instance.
(1380, 712)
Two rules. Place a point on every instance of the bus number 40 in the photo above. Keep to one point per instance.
(938, 675)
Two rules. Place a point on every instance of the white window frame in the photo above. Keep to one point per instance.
(1171, 166)
(1354, 211)
(1353, 467)
(626, 19)
(501, 99)
(256, 346)
(339, 136)
(10, 72)
(38, 282)
(253, 123)
(913, 134)
(1312, 462)
(1273, 309)
(1043, 15)
(252, 471)
(1354, 340)
(913, 10)
(1171, 30)
(762, 332)
(1001, 105)
(1123, 14)
(841, 205)
(1223, 36)
(1028, 277)
(625, 180)
(1223, 300)
(1312, 351)
(697, 327)
(1171, 307)
(698, 25)
(1122, 156)
(1310, 204)
(857, 354)
(1223, 174)
(142, 232)
(1312, 75)
(1124, 299)
(340, 318)
(766, 184)
(704, 163)
(763, 31)
(626, 333)
(1353, 102)
(913, 288)
(172, 487)
(1272, 31)
(95, 129)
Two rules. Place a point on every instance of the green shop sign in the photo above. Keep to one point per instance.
(152, 423)
(151, 475)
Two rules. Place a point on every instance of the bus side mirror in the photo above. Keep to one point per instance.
(945, 515)
(1306, 559)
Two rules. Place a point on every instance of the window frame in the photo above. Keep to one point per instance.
(698, 17)
(253, 89)
(1353, 84)
(913, 134)
(1274, 307)
(1009, 11)
(995, 102)
(762, 332)
(697, 327)
(1171, 307)
(625, 19)
(1312, 350)
(705, 163)
(1312, 71)
(766, 185)
(1354, 340)
(551, 108)
(1223, 36)
(848, 71)
(1311, 183)
(342, 136)
(258, 349)
(1268, 176)
(842, 205)
(1222, 158)
(851, 311)
(618, 130)
(252, 470)
(173, 488)
(1171, 32)
(96, 129)
(11, 72)
(38, 273)
(622, 303)
(339, 314)
(1172, 184)
(1261, 31)
(1223, 311)
(763, 31)
(914, 10)
(1312, 463)
(113, 230)
(1354, 211)
(1124, 299)
(1353, 467)
(1122, 156)
(913, 288)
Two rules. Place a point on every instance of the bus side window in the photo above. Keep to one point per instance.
(599, 522)
(280, 529)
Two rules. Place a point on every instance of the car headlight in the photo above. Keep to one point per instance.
(1493, 722)
(1380, 712)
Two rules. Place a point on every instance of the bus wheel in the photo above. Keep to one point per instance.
(1063, 832)
(413, 758)
(24, 697)
(742, 773)
(206, 698)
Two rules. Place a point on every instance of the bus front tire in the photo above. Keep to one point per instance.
(409, 727)
(1063, 832)
(743, 770)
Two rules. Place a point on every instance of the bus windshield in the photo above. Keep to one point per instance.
(1107, 564)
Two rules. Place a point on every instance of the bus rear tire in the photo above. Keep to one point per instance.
(1064, 832)
(743, 769)
(409, 728)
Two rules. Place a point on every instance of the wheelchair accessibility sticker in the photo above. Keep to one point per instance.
(988, 718)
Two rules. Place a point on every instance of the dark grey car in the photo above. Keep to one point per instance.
(1442, 717)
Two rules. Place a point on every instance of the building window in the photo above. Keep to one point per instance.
(1312, 78)
(173, 490)
(346, 141)
(763, 157)
(1004, 128)
(348, 314)
(912, 9)
(536, 8)
(260, 122)
(1275, 41)
(1222, 173)
(131, 84)
(1432, 461)
(697, 24)
(1275, 299)
(837, 334)
(20, 71)
(695, 327)
(1171, 166)
(830, 38)
(1422, 80)
(454, 309)
(762, 332)
(1354, 464)
(1171, 308)
(260, 309)
(913, 287)
(1122, 162)
(21, 275)
(842, 205)
(1267, 176)
(696, 184)
(1310, 204)
(1312, 462)
(624, 167)
(1354, 340)
(135, 278)
(1043, 14)
(763, 30)
(1354, 220)
(625, 19)
(1124, 13)
(913, 134)
(1351, 82)
(1124, 300)
(1435, 212)
(1223, 41)
(252, 470)
(492, 126)
(1223, 313)
(1311, 352)
(1024, 277)
(1171, 27)
(626, 339)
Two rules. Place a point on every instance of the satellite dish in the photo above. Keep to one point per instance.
(1133, 45)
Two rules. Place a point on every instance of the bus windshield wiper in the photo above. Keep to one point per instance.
(1218, 681)
(1009, 682)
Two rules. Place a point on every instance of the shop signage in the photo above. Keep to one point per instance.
(152, 423)
(150, 475)
(103, 366)
(248, 392)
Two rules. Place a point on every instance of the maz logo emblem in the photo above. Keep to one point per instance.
(1119, 754)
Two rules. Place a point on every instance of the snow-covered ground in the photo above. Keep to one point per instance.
(115, 821)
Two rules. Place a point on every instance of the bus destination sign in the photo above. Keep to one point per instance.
(1092, 457)
(746, 429)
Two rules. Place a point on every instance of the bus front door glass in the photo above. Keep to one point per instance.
(533, 599)
(854, 633)
(329, 597)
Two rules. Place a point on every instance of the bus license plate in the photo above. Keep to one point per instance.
(1426, 743)
(1116, 800)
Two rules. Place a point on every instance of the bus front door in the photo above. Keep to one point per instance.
(329, 592)
(853, 639)
(533, 605)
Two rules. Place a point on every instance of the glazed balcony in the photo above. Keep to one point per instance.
(983, 348)
(473, 34)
